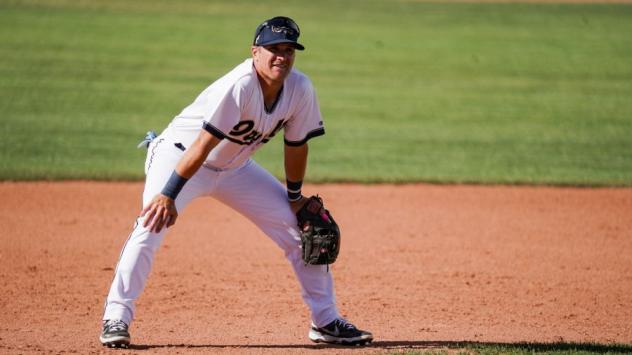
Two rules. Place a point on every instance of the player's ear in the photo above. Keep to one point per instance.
(254, 50)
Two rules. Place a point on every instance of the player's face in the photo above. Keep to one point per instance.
(274, 62)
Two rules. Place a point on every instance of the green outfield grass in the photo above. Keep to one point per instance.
(410, 91)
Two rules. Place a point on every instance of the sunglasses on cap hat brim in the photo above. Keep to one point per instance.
(278, 30)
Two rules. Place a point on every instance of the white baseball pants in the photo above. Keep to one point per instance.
(248, 189)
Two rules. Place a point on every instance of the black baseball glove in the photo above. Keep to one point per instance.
(320, 235)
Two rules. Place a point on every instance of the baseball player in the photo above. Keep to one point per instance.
(206, 151)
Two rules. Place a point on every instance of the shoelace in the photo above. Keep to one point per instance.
(116, 325)
(342, 323)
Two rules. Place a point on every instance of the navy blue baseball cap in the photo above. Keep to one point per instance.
(278, 29)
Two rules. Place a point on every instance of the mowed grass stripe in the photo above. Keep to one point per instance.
(445, 93)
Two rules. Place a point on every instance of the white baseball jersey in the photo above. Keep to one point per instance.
(232, 108)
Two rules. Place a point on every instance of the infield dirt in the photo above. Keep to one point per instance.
(421, 266)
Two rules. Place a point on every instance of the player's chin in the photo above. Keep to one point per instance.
(279, 72)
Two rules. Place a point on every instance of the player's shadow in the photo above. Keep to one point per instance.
(419, 345)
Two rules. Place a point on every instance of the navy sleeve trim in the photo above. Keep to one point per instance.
(214, 131)
(315, 133)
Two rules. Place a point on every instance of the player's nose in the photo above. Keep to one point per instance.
(284, 54)
(281, 56)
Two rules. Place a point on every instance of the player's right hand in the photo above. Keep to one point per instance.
(160, 212)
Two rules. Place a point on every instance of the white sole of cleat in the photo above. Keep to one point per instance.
(117, 346)
(318, 337)
(116, 342)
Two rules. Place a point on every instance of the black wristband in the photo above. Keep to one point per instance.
(174, 185)
(294, 190)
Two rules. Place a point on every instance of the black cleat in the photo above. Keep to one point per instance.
(340, 332)
(115, 334)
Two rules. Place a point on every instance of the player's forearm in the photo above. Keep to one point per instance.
(295, 165)
(189, 164)
(295, 162)
(193, 158)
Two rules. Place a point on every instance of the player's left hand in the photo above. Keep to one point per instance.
(160, 212)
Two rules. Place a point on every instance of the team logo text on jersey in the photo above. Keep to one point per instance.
(244, 133)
